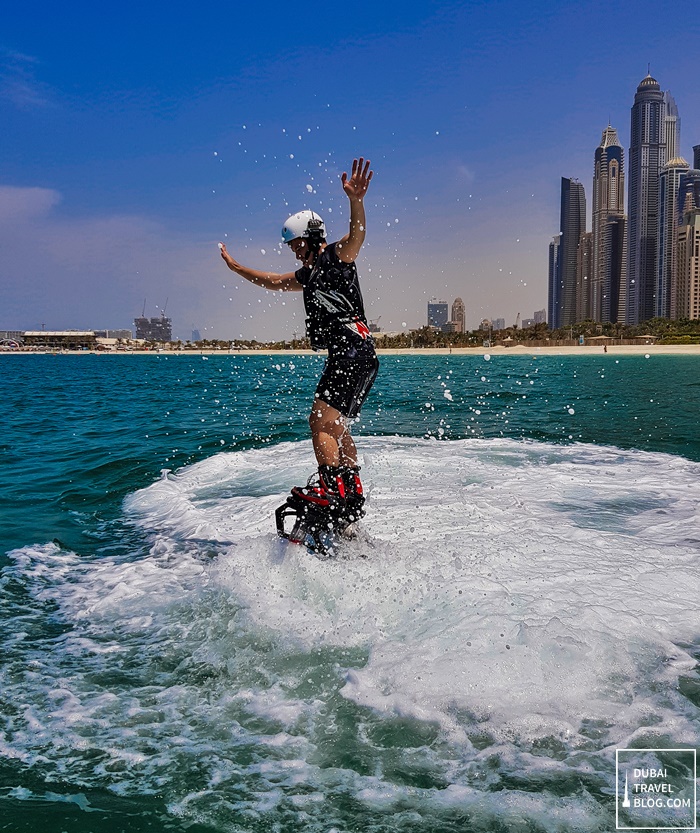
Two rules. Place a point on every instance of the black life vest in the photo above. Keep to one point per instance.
(333, 302)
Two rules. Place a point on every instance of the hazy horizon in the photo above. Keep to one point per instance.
(132, 147)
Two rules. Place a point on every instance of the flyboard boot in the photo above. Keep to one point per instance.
(323, 509)
(354, 498)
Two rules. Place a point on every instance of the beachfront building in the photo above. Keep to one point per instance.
(554, 281)
(125, 335)
(438, 313)
(539, 316)
(687, 202)
(667, 250)
(458, 315)
(60, 339)
(154, 329)
(688, 262)
(614, 254)
(655, 136)
(608, 208)
(572, 226)
(584, 272)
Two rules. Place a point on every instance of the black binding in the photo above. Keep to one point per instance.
(316, 524)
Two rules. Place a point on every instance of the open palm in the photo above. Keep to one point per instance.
(358, 183)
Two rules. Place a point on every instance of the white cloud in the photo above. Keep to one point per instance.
(91, 271)
(17, 82)
(19, 204)
(95, 271)
(466, 174)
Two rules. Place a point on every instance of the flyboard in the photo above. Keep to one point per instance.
(319, 522)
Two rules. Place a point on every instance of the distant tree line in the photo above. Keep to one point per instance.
(665, 332)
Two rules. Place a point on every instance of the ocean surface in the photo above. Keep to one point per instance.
(523, 604)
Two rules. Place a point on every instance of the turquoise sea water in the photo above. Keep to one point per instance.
(167, 664)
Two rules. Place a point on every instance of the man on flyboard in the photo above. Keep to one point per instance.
(336, 322)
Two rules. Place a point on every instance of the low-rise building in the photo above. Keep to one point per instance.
(60, 339)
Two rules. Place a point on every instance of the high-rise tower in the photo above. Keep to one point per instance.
(615, 262)
(667, 247)
(671, 135)
(554, 282)
(655, 127)
(437, 313)
(572, 225)
(688, 288)
(458, 315)
(584, 274)
(608, 203)
(690, 182)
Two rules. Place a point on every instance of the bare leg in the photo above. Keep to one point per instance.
(348, 452)
(331, 439)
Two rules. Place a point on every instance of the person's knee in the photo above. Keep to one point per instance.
(320, 421)
(316, 419)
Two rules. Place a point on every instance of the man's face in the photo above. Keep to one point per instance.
(300, 248)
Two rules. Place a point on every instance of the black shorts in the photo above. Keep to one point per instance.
(345, 382)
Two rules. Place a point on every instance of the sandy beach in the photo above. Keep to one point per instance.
(515, 350)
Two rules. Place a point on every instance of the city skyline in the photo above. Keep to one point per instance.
(125, 158)
(629, 268)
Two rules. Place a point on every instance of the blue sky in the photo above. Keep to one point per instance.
(134, 138)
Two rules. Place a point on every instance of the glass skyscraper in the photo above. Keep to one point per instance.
(458, 315)
(572, 226)
(667, 246)
(608, 210)
(438, 313)
(554, 283)
(615, 263)
(655, 130)
(688, 257)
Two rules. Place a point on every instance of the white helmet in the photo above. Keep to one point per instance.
(298, 225)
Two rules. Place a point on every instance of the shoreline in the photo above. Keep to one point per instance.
(516, 350)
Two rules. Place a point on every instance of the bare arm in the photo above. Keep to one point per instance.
(356, 187)
(267, 280)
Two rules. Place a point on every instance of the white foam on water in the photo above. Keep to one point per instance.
(518, 612)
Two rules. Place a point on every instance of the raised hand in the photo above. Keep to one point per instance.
(230, 262)
(356, 187)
